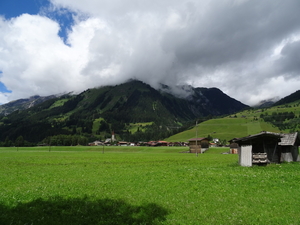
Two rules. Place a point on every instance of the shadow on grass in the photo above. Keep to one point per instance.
(58, 210)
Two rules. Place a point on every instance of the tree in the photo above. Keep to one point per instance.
(7, 142)
(19, 141)
(210, 138)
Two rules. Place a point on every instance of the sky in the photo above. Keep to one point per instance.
(250, 49)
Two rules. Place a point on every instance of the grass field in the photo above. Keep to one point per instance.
(143, 185)
(237, 125)
(225, 128)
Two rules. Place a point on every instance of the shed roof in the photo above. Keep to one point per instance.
(198, 139)
(261, 134)
(232, 140)
(290, 139)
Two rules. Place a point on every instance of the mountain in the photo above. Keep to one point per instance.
(266, 103)
(99, 111)
(283, 118)
(212, 101)
(22, 104)
(288, 99)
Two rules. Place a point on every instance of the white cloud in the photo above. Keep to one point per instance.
(4, 97)
(245, 48)
(35, 59)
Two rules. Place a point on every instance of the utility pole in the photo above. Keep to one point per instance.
(197, 138)
(50, 145)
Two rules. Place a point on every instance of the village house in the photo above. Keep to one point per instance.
(233, 146)
(122, 143)
(157, 143)
(95, 143)
(216, 140)
(198, 145)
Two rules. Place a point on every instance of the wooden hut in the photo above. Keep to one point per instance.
(198, 145)
(233, 146)
(258, 149)
(267, 147)
(289, 147)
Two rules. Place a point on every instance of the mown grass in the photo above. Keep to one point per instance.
(134, 127)
(237, 125)
(96, 125)
(225, 128)
(59, 103)
(133, 185)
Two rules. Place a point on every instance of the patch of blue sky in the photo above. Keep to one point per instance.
(3, 88)
(65, 19)
(14, 8)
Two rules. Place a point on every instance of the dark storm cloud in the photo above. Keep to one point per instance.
(289, 63)
(233, 33)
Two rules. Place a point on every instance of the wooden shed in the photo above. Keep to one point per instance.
(288, 147)
(258, 149)
(233, 146)
(267, 147)
(199, 145)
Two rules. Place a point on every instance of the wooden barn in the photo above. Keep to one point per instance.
(233, 146)
(198, 145)
(289, 147)
(267, 147)
(258, 149)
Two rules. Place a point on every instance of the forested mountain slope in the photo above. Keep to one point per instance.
(95, 113)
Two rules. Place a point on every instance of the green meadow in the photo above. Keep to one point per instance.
(238, 125)
(225, 128)
(143, 185)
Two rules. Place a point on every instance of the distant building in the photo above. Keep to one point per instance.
(216, 140)
(233, 146)
(113, 139)
(157, 143)
(198, 145)
(108, 140)
(95, 143)
(122, 143)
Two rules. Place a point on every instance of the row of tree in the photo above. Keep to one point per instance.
(282, 120)
(18, 142)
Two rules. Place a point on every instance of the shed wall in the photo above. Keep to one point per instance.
(245, 155)
(195, 148)
(286, 157)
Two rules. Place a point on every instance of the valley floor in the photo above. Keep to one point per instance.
(140, 185)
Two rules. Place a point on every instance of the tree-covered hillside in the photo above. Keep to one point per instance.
(283, 118)
(96, 113)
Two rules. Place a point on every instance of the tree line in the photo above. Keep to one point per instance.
(282, 120)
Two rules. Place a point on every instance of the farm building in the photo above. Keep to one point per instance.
(289, 147)
(95, 143)
(266, 147)
(199, 145)
(122, 143)
(157, 143)
(233, 146)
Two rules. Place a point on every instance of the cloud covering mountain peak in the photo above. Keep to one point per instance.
(248, 49)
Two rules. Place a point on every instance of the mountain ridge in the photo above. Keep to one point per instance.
(23, 103)
(99, 111)
(288, 99)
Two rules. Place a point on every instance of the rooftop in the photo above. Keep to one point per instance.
(261, 134)
(289, 139)
(198, 139)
